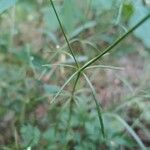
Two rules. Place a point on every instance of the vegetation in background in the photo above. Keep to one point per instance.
(66, 82)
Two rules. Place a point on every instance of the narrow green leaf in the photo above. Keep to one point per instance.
(109, 48)
(61, 89)
(129, 129)
(97, 105)
(65, 36)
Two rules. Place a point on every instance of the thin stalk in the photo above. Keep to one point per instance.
(71, 101)
(65, 36)
(64, 85)
(129, 129)
(88, 8)
(16, 137)
(78, 72)
(105, 51)
(98, 108)
(72, 53)
(115, 43)
(59, 65)
(119, 13)
(76, 81)
(105, 67)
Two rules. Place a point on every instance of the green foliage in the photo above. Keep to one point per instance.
(69, 12)
(144, 31)
(57, 104)
(6, 4)
(50, 19)
(102, 5)
(51, 89)
(84, 131)
(30, 135)
(127, 11)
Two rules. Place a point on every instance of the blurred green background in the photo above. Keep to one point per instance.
(35, 63)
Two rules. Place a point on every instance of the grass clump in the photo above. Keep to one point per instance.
(57, 87)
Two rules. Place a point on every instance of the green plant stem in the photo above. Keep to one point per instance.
(106, 51)
(129, 129)
(92, 61)
(98, 108)
(71, 101)
(76, 81)
(115, 43)
(72, 53)
(65, 36)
